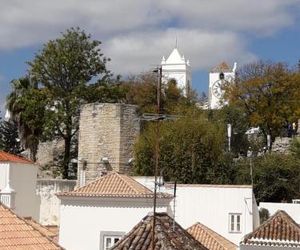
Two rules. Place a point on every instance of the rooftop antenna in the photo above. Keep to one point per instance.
(176, 42)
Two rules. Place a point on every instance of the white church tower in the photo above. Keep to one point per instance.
(177, 68)
(219, 76)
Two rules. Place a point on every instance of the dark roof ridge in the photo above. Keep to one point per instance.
(165, 237)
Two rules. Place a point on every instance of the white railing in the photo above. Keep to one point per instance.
(8, 199)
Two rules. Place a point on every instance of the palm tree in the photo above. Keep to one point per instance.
(23, 92)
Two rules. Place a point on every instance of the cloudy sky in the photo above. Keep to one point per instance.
(137, 33)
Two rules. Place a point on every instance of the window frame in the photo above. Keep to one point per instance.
(109, 234)
(235, 223)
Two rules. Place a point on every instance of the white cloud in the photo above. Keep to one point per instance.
(136, 33)
(236, 15)
(143, 50)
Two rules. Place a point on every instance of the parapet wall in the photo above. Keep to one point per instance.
(50, 204)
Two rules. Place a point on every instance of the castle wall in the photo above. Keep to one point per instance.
(106, 131)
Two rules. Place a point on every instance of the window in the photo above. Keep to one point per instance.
(109, 241)
(109, 238)
(234, 223)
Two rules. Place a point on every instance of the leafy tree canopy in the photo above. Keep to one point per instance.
(9, 139)
(67, 72)
(275, 176)
(269, 95)
(191, 149)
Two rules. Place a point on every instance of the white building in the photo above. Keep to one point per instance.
(229, 210)
(179, 69)
(97, 215)
(219, 76)
(293, 209)
(17, 185)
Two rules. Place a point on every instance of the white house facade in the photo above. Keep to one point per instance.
(97, 215)
(178, 68)
(219, 77)
(18, 185)
(229, 210)
(293, 209)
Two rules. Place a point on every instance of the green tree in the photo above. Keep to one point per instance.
(191, 150)
(276, 177)
(9, 139)
(235, 116)
(66, 73)
(64, 67)
(268, 94)
(27, 106)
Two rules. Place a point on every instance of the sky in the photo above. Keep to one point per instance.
(135, 34)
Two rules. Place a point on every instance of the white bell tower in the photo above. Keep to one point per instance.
(179, 69)
(219, 76)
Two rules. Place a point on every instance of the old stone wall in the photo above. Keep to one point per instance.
(107, 132)
(47, 156)
(282, 145)
(49, 203)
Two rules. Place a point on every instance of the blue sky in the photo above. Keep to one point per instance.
(137, 33)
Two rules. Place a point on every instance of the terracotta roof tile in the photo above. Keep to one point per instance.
(7, 157)
(280, 229)
(43, 229)
(166, 236)
(114, 185)
(209, 238)
(16, 233)
(222, 67)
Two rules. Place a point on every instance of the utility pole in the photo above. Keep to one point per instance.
(158, 117)
(158, 110)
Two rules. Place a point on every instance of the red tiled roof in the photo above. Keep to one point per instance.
(7, 157)
(114, 185)
(168, 235)
(16, 233)
(279, 230)
(43, 229)
(209, 238)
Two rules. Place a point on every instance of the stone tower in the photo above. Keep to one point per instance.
(219, 76)
(107, 132)
(176, 67)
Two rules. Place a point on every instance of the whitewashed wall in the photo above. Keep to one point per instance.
(82, 220)
(293, 210)
(211, 205)
(23, 181)
(49, 203)
(3, 175)
(248, 247)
